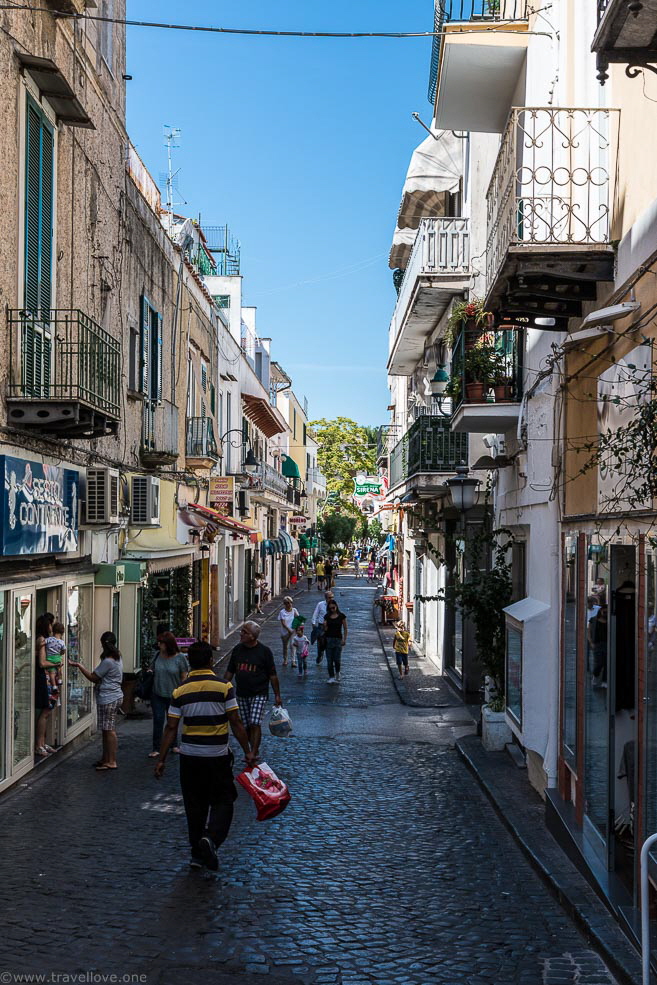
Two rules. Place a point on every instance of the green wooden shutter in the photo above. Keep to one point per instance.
(39, 192)
(213, 399)
(158, 342)
(47, 174)
(145, 346)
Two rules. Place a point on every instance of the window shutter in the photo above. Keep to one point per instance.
(157, 392)
(145, 345)
(39, 173)
(47, 174)
(213, 399)
(27, 358)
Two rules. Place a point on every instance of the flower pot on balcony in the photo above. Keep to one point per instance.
(503, 392)
(474, 392)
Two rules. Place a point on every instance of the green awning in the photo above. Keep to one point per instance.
(289, 468)
(304, 541)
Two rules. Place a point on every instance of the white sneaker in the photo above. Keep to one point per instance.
(331, 680)
(337, 678)
(294, 663)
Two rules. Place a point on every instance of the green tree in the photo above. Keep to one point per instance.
(336, 528)
(345, 448)
(375, 531)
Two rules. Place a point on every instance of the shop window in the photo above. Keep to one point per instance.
(24, 663)
(650, 799)
(3, 687)
(79, 646)
(570, 630)
(514, 673)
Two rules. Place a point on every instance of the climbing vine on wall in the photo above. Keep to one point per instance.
(181, 601)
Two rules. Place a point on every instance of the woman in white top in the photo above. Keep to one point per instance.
(286, 617)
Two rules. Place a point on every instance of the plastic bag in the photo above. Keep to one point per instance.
(270, 794)
(280, 723)
(298, 621)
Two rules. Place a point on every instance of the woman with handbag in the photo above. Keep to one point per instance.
(170, 668)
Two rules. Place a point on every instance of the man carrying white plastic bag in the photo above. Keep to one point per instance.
(280, 723)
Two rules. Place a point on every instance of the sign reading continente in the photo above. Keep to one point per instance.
(40, 506)
(367, 485)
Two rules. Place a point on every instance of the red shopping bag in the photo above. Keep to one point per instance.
(270, 794)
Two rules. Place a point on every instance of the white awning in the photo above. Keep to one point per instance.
(436, 167)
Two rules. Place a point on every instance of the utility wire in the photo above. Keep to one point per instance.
(246, 31)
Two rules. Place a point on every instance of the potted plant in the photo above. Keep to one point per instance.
(502, 382)
(471, 315)
(480, 363)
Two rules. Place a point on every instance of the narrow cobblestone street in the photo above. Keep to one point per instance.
(388, 867)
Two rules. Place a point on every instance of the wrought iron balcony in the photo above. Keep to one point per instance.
(467, 11)
(201, 448)
(549, 199)
(438, 270)
(625, 35)
(315, 481)
(159, 434)
(268, 480)
(64, 374)
(429, 446)
(387, 438)
(486, 380)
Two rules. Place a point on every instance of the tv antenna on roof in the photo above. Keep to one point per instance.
(171, 135)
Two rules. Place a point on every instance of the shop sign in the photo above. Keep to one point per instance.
(40, 505)
(368, 485)
(298, 519)
(221, 495)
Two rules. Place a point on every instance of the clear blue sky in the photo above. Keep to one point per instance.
(301, 146)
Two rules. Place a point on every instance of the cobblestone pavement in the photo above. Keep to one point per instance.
(388, 867)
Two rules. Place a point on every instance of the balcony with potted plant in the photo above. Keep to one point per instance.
(486, 380)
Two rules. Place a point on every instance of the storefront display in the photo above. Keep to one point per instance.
(24, 668)
(79, 648)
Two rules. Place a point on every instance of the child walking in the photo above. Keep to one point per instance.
(55, 650)
(401, 644)
(301, 647)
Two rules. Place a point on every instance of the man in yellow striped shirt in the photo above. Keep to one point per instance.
(205, 706)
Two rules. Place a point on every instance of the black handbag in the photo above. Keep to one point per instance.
(144, 688)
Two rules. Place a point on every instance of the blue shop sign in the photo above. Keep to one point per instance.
(39, 508)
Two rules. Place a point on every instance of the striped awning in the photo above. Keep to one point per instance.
(287, 546)
(267, 548)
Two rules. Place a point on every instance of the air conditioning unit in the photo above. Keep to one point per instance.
(102, 497)
(145, 501)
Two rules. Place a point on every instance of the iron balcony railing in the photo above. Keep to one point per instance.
(269, 479)
(442, 246)
(64, 355)
(316, 478)
(486, 367)
(552, 181)
(448, 11)
(159, 434)
(200, 438)
(387, 438)
(429, 445)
